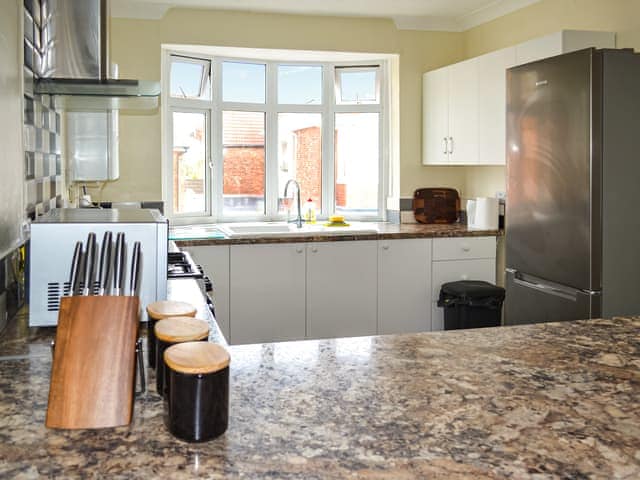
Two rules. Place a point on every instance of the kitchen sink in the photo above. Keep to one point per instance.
(290, 229)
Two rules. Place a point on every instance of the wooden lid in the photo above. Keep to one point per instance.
(196, 357)
(181, 329)
(168, 308)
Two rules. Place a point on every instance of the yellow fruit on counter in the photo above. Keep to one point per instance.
(336, 219)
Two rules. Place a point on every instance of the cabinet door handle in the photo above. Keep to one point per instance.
(466, 248)
(445, 145)
(299, 249)
(385, 247)
(450, 144)
(314, 249)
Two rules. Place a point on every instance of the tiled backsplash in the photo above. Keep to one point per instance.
(44, 185)
(42, 141)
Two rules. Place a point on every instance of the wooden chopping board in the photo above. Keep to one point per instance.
(436, 205)
(93, 374)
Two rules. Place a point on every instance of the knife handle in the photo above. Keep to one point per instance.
(105, 263)
(89, 265)
(135, 269)
(75, 267)
(118, 269)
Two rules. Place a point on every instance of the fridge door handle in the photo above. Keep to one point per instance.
(542, 287)
(445, 145)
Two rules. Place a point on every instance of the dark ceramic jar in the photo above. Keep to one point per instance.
(197, 403)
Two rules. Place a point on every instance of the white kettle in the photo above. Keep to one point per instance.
(482, 213)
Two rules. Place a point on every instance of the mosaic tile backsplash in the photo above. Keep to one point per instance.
(42, 140)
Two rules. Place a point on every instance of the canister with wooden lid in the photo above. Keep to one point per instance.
(170, 331)
(198, 395)
(159, 310)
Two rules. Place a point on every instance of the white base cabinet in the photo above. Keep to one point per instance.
(341, 289)
(404, 286)
(460, 259)
(291, 291)
(267, 293)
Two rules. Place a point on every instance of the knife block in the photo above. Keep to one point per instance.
(93, 373)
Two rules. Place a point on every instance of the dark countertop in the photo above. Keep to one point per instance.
(558, 400)
(385, 231)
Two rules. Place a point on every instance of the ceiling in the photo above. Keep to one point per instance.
(446, 15)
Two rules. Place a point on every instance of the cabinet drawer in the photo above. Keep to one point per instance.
(464, 248)
(479, 269)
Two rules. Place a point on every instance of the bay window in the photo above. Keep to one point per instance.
(236, 129)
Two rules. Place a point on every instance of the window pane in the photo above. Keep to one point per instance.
(300, 157)
(357, 161)
(243, 82)
(190, 79)
(189, 158)
(243, 158)
(357, 85)
(299, 84)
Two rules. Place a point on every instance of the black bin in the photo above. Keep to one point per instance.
(471, 304)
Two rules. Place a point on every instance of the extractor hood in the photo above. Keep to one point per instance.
(75, 61)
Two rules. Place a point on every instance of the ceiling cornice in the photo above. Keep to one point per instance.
(156, 10)
(494, 10)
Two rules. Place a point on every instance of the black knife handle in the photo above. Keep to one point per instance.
(75, 267)
(105, 263)
(135, 269)
(118, 269)
(89, 264)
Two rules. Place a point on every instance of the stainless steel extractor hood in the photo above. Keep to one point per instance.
(75, 62)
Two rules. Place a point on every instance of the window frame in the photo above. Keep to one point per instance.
(206, 72)
(328, 108)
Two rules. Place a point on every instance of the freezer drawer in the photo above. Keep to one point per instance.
(531, 300)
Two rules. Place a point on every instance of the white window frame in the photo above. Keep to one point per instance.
(214, 108)
(205, 63)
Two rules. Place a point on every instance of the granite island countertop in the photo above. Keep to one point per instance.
(558, 400)
(200, 235)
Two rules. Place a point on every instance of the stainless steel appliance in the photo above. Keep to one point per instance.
(181, 265)
(75, 60)
(572, 234)
(53, 239)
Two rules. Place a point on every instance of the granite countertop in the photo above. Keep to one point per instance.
(558, 400)
(383, 231)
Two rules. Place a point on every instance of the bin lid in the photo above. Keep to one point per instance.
(472, 289)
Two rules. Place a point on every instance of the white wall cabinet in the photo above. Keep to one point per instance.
(492, 105)
(404, 285)
(469, 97)
(214, 259)
(341, 289)
(435, 121)
(267, 293)
(450, 105)
(460, 259)
(463, 113)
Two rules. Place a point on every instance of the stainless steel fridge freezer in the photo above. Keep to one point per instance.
(572, 234)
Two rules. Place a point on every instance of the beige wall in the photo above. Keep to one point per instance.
(135, 46)
(547, 16)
